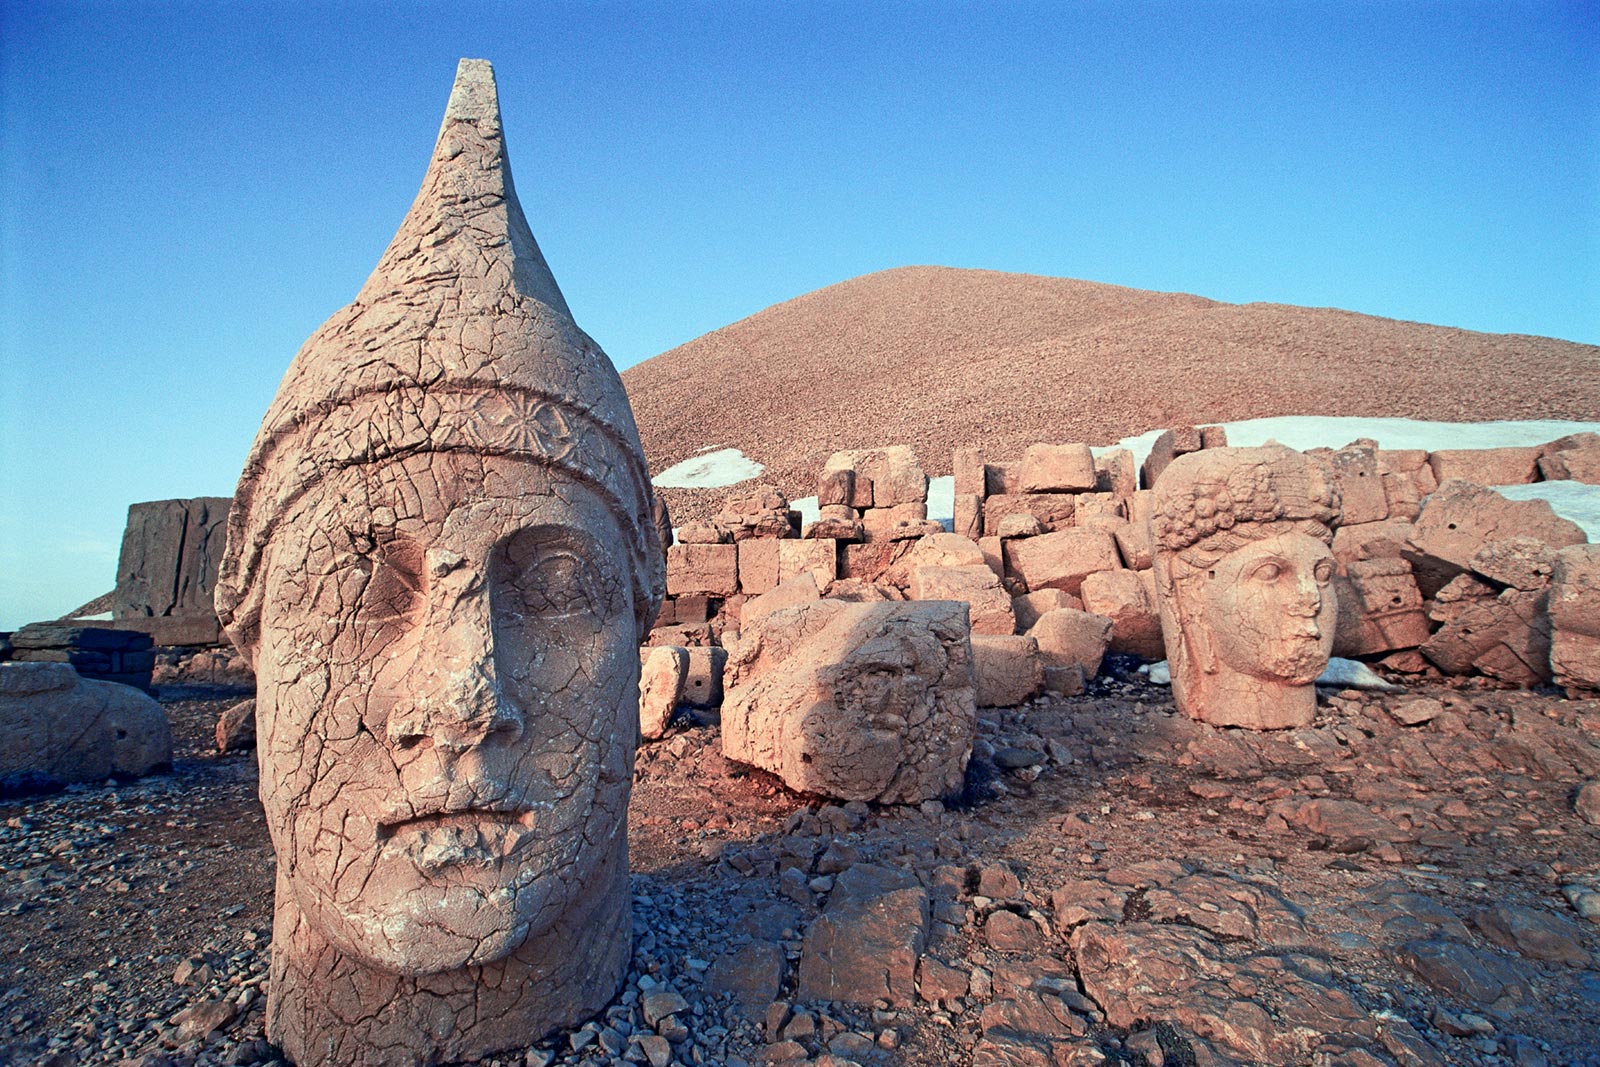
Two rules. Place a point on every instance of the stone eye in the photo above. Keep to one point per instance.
(394, 589)
(1324, 570)
(1267, 572)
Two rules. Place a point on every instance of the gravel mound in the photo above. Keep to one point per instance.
(937, 358)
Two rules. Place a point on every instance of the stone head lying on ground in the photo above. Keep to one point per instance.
(441, 560)
(1244, 582)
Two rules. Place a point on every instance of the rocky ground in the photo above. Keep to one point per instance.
(1404, 883)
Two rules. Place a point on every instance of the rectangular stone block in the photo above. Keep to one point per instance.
(836, 487)
(171, 550)
(867, 562)
(1371, 540)
(702, 682)
(1115, 472)
(1360, 485)
(1128, 599)
(1001, 478)
(1060, 560)
(885, 524)
(989, 607)
(968, 517)
(1057, 469)
(1213, 437)
(1133, 544)
(709, 569)
(894, 474)
(819, 556)
(174, 630)
(969, 474)
(1168, 446)
(1029, 606)
(1486, 466)
(758, 564)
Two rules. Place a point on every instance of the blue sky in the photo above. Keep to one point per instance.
(189, 190)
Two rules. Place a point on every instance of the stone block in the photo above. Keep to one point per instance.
(1128, 599)
(968, 470)
(793, 591)
(935, 550)
(1057, 469)
(829, 528)
(864, 947)
(893, 523)
(1355, 469)
(1520, 562)
(704, 533)
(702, 680)
(1371, 540)
(1168, 446)
(1486, 466)
(1575, 662)
(1069, 638)
(857, 701)
(171, 550)
(1380, 608)
(993, 550)
(819, 556)
(894, 475)
(837, 487)
(692, 608)
(757, 564)
(1572, 458)
(1575, 590)
(661, 680)
(1115, 472)
(1507, 637)
(1461, 517)
(967, 515)
(868, 562)
(1100, 506)
(1007, 671)
(173, 630)
(698, 568)
(1029, 606)
(1213, 437)
(1002, 479)
(989, 606)
(1053, 510)
(1061, 560)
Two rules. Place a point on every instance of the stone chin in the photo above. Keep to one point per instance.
(413, 923)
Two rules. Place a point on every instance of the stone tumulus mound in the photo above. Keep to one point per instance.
(1244, 583)
(441, 559)
(857, 701)
(60, 728)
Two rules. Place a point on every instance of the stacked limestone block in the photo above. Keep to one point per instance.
(872, 495)
(97, 652)
(1575, 619)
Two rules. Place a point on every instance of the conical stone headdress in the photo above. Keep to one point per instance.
(459, 341)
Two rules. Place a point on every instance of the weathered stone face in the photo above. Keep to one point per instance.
(1244, 583)
(441, 558)
(450, 637)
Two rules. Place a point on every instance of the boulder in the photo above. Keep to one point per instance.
(236, 727)
(661, 682)
(857, 701)
(1128, 599)
(1506, 637)
(1061, 560)
(1029, 606)
(1068, 638)
(988, 604)
(1058, 468)
(1007, 671)
(57, 728)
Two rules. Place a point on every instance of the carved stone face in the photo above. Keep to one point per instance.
(1269, 609)
(447, 676)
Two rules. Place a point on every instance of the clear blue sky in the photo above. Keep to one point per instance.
(189, 190)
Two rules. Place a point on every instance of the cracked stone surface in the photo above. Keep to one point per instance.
(1244, 582)
(441, 558)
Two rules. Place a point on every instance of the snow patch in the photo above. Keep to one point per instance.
(1335, 431)
(1574, 501)
(714, 470)
(1341, 673)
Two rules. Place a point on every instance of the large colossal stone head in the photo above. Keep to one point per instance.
(441, 560)
(1243, 579)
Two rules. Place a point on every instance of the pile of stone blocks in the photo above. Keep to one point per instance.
(872, 495)
(95, 652)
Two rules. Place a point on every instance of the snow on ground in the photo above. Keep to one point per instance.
(714, 470)
(1341, 673)
(1330, 431)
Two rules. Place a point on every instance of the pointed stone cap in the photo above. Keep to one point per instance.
(466, 220)
(459, 341)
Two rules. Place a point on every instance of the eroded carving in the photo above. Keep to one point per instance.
(1243, 578)
(441, 560)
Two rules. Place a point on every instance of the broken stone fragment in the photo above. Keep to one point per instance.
(1460, 518)
(1574, 607)
(661, 681)
(1068, 638)
(1380, 608)
(1058, 468)
(793, 591)
(1506, 637)
(236, 727)
(57, 728)
(1168, 446)
(890, 475)
(865, 946)
(1486, 466)
(1029, 606)
(869, 702)
(989, 606)
(1128, 599)
(1007, 671)
(1052, 511)
(1060, 560)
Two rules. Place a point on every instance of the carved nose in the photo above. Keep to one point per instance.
(1307, 601)
(458, 704)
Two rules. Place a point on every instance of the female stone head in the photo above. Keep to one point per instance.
(1243, 576)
